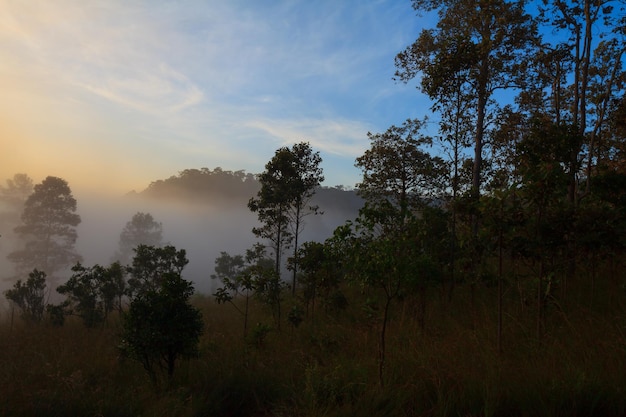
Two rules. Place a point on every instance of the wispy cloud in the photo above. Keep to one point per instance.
(334, 136)
(202, 82)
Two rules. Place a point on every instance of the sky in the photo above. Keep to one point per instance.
(114, 94)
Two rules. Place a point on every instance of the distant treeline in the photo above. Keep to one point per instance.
(218, 185)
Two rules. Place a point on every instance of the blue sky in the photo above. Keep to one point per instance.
(113, 94)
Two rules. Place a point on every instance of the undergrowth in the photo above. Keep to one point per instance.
(328, 366)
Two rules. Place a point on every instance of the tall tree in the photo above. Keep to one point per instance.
(287, 185)
(307, 179)
(271, 205)
(591, 33)
(48, 227)
(477, 45)
(142, 229)
(400, 184)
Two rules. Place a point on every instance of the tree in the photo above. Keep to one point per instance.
(228, 270)
(399, 178)
(234, 275)
(253, 275)
(12, 198)
(479, 46)
(151, 264)
(308, 178)
(29, 295)
(388, 248)
(161, 326)
(321, 270)
(142, 229)
(48, 227)
(394, 263)
(287, 186)
(94, 292)
(271, 204)
(595, 76)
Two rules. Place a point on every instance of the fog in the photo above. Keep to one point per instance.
(203, 229)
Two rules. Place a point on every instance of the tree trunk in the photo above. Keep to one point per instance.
(295, 252)
(500, 281)
(382, 346)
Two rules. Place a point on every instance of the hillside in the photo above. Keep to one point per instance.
(220, 187)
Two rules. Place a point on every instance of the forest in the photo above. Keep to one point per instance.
(475, 271)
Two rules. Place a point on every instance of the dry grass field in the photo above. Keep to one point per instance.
(328, 365)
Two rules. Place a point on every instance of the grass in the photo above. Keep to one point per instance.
(329, 368)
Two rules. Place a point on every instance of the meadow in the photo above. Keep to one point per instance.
(327, 366)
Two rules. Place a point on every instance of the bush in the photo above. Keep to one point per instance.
(161, 326)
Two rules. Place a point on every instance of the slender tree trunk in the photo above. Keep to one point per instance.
(476, 171)
(382, 345)
(12, 316)
(500, 256)
(245, 317)
(295, 252)
(455, 188)
(422, 316)
(540, 311)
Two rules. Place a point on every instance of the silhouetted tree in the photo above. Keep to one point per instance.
(388, 248)
(252, 275)
(29, 295)
(228, 270)
(161, 325)
(151, 264)
(478, 46)
(49, 228)
(287, 185)
(92, 293)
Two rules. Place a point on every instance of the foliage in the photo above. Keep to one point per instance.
(150, 266)
(269, 289)
(29, 296)
(161, 326)
(259, 335)
(478, 47)
(321, 274)
(48, 226)
(242, 276)
(92, 293)
(398, 172)
(57, 313)
(142, 229)
(287, 185)
(295, 316)
(228, 270)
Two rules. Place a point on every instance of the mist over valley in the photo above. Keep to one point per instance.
(202, 211)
